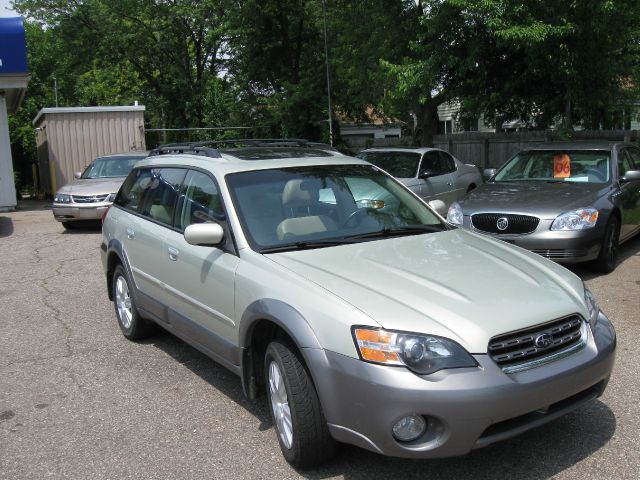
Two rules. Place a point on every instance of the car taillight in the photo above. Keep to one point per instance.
(104, 214)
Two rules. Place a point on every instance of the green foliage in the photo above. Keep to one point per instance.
(261, 63)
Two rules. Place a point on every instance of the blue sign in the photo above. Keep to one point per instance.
(13, 47)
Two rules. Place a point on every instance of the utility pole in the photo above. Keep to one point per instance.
(326, 59)
(55, 89)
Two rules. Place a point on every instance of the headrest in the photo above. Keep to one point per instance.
(301, 192)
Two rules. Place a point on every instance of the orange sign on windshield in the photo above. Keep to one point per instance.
(562, 166)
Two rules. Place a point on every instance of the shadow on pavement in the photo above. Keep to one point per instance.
(81, 228)
(213, 373)
(29, 205)
(630, 248)
(540, 453)
(6, 227)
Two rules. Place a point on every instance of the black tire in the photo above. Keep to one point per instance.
(608, 257)
(310, 443)
(69, 225)
(133, 326)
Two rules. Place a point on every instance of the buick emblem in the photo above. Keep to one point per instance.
(545, 340)
(502, 223)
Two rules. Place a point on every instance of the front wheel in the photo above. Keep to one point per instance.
(608, 258)
(295, 408)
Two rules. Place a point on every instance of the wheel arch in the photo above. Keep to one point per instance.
(263, 321)
(115, 256)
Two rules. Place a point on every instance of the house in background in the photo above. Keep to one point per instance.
(450, 121)
(376, 128)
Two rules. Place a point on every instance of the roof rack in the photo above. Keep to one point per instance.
(210, 148)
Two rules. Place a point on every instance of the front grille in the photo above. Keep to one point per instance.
(89, 198)
(559, 254)
(516, 224)
(536, 343)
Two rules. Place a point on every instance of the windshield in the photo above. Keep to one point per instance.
(398, 164)
(318, 206)
(587, 166)
(107, 167)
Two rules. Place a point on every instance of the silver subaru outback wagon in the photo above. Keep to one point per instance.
(363, 316)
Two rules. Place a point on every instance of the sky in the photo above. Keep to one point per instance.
(4, 6)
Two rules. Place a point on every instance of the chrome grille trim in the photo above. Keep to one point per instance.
(516, 351)
(517, 224)
(90, 198)
(560, 253)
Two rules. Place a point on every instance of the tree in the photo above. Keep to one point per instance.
(167, 52)
(546, 60)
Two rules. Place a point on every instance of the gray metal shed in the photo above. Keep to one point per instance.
(68, 139)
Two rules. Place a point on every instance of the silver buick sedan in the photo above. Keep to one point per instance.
(567, 202)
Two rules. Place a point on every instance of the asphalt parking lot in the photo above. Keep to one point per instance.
(79, 401)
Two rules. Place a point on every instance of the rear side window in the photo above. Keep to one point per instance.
(162, 194)
(133, 190)
(447, 162)
(152, 192)
(633, 158)
(438, 163)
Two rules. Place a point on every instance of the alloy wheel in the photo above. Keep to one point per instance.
(123, 302)
(280, 405)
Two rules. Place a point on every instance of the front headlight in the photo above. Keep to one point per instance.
(592, 306)
(62, 198)
(111, 197)
(422, 354)
(580, 219)
(454, 215)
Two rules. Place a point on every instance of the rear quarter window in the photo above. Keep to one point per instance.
(133, 190)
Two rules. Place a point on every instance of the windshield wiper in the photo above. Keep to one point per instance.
(303, 246)
(396, 232)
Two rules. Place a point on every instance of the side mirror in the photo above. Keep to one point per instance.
(631, 175)
(77, 174)
(439, 206)
(424, 174)
(488, 173)
(209, 234)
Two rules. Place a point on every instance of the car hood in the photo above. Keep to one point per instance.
(454, 284)
(93, 186)
(542, 199)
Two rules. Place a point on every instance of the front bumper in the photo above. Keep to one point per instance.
(73, 212)
(562, 246)
(465, 408)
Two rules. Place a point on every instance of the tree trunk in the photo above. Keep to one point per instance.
(427, 121)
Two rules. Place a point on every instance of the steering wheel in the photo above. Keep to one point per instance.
(356, 217)
(596, 173)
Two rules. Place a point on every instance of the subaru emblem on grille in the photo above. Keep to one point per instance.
(502, 223)
(545, 340)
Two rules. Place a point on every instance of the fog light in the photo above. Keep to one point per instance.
(409, 428)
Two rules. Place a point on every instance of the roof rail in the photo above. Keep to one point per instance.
(210, 148)
(185, 148)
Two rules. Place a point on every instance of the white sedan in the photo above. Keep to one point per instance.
(431, 173)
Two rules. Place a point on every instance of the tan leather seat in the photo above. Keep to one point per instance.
(291, 228)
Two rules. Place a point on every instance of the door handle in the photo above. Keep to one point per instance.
(173, 253)
(130, 233)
